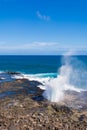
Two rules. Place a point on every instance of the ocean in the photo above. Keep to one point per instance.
(30, 64)
(32, 67)
(34, 64)
(45, 68)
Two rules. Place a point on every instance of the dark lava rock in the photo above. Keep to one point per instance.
(20, 86)
(13, 73)
(1, 78)
(38, 98)
(23, 108)
(62, 108)
(81, 118)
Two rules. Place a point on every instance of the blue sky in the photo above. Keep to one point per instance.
(43, 27)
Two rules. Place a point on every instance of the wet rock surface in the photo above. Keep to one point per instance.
(22, 107)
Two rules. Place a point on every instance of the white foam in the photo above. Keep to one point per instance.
(37, 77)
(2, 78)
(70, 77)
(55, 87)
(1, 72)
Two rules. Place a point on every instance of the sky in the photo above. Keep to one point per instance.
(43, 27)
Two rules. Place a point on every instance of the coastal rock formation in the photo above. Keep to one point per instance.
(22, 107)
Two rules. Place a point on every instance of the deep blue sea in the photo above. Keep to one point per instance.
(33, 64)
(30, 64)
(42, 66)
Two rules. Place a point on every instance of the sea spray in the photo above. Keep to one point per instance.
(55, 87)
(71, 76)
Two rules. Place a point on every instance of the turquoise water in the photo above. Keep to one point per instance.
(33, 64)
(41, 68)
(30, 64)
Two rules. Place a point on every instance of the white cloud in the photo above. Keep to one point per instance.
(37, 48)
(41, 48)
(26, 46)
(42, 16)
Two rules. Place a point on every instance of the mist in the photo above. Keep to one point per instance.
(72, 75)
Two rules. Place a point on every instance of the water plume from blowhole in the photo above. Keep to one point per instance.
(69, 77)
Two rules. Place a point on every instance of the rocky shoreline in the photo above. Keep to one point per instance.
(22, 107)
